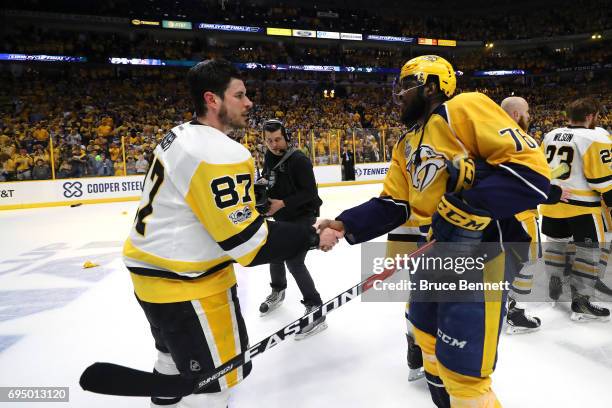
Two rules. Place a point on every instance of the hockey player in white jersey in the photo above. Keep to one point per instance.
(588, 153)
(196, 218)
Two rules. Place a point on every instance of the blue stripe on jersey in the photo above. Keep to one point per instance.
(373, 218)
(510, 189)
(441, 110)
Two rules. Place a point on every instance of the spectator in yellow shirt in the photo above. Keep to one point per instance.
(8, 167)
(24, 165)
(115, 152)
(320, 150)
(40, 154)
(4, 139)
(41, 135)
(104, 130)
(118, 165)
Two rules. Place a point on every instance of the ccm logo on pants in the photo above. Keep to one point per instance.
(450, 340)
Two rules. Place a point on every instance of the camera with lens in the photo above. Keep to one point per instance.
(262, 190)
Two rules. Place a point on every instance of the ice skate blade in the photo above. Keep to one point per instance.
(415, 374)
(318, 329)
(583, 318)
(521, 330)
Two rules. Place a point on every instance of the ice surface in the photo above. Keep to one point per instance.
(56, 318)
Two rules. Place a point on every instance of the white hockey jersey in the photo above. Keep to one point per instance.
(196, 216)
(588, 152)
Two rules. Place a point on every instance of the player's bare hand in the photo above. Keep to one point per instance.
(275, 205)
(565, 195)
(328, 237)
(333, 224)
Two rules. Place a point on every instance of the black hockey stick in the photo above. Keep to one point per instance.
(113, 379)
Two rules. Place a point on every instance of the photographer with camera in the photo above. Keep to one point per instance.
(288, 192)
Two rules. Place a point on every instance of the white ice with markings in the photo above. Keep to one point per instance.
(56, 318)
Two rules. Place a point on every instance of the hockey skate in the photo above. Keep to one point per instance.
(415, 360)
(313, 328)
(583, 310)
(520, 322)
(273, 301)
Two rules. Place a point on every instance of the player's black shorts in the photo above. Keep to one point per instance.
(201, 334)
(582, 228)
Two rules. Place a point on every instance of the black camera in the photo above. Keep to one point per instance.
(261, 196)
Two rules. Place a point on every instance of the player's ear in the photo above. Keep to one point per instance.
(209, 98)
(431, 89)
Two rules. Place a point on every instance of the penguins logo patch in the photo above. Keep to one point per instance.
(424, 171)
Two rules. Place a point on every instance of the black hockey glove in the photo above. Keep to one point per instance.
(457, 222)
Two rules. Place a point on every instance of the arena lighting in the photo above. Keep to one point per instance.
(316, 68)
(41, 58)
(177, 25)
(390, 38)
(230, 27)
(136, 61)
(255, 65)
(500, 72)
(329, 94)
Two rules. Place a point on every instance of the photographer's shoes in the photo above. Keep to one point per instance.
(273, 301)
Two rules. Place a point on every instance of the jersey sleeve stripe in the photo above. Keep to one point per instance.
(514, 173)
(399, 203)
(243, 236)
(599, 180)
(250, 247)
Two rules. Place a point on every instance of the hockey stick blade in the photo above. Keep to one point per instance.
(112, 379)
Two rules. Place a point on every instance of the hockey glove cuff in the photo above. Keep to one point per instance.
(457, 221)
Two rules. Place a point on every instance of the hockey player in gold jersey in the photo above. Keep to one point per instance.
(404, 240)
(451, 140)
(519, 321)
(588, 152)
(196, 218)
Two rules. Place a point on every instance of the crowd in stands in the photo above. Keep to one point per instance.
(90, 122)
(99, 46)
(478, 21)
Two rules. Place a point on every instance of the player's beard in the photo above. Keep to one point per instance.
(414, 111)
(234, 122)
(523, 124)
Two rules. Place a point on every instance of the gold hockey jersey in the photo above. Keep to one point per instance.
(195, 218)
(588, 152)
(468, 125)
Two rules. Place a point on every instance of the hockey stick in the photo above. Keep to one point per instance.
(113, 379)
